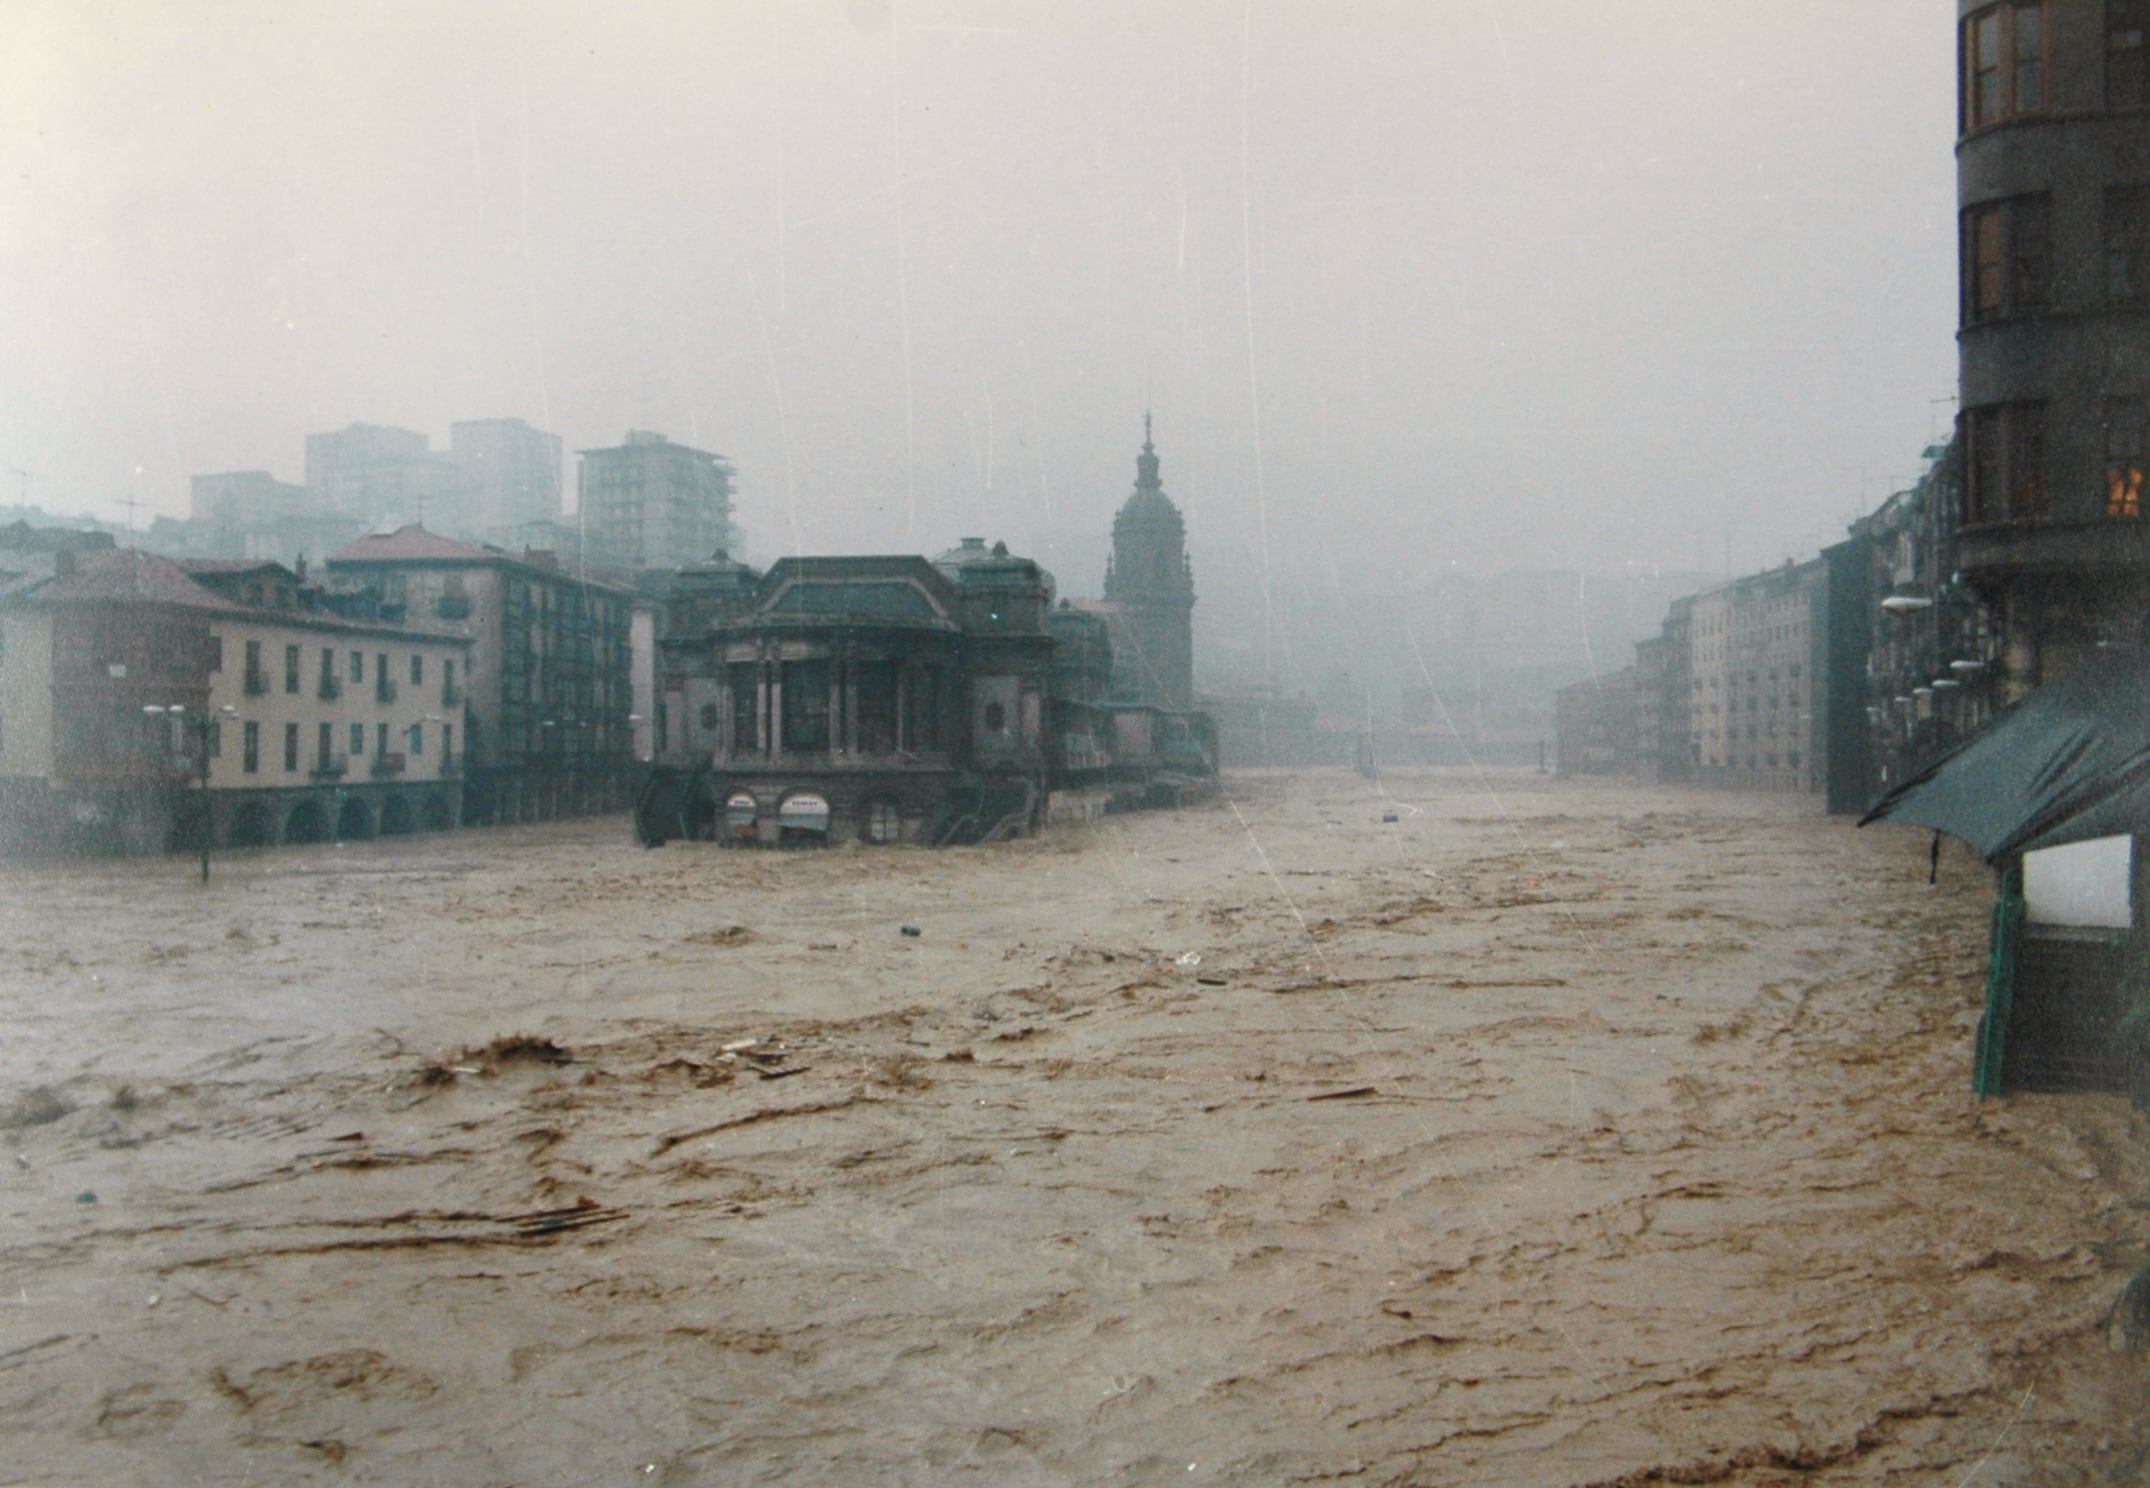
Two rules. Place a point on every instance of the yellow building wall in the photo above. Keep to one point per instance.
(26, 743)
(356, 703)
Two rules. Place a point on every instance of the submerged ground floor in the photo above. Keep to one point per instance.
(1441, 1128)
(41, 820)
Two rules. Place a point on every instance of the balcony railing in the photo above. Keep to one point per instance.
(384, 689)
(257, 683)
(387, 764)
(450, 695)
(335, 767)
(331, 687)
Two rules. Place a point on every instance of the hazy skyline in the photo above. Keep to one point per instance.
(1500, 283)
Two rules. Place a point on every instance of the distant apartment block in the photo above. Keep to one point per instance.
(649, 503)
(1755, 705)
(510, 478)
(376, 476)
(245, 500)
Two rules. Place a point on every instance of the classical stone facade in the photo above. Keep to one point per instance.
(876, 699)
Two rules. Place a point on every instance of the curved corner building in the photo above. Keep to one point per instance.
(2053, 191)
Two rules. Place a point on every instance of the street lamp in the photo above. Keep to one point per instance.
(199, 733)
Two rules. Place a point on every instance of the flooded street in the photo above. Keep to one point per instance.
(1544, 1134)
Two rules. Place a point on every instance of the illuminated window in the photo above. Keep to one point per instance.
(2123, 457)
(2003, 63)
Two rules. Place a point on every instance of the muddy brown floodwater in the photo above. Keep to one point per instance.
(1546, 1134)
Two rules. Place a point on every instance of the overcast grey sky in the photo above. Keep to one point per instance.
(1522, 281)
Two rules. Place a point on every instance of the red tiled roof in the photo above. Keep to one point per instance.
(411, 541)
(131, 576)
(229, 565)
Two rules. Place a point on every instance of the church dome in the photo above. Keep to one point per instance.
(1148, 508)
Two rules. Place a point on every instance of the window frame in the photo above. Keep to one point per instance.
(2006, 247)
(2006, 67)
(2127, 35)
(2124, 243)
(2124, 422)
(2004, 467)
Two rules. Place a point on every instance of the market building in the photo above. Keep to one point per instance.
(876, 699)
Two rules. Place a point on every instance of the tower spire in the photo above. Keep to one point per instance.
(1146, 462)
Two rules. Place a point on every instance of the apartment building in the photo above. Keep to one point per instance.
(548, 690)
(2053, 193)
(649, 503)
(144, 707)
(1755, 704)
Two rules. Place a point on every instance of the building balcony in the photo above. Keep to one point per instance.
(387, 764)
(257, 683)
(331, 687)
(452, 607)
(451, 696)
(384, 689)
(333, 768)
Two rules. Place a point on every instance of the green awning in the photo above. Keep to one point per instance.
(2068, 763)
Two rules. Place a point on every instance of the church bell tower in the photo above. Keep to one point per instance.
(1150, 584)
